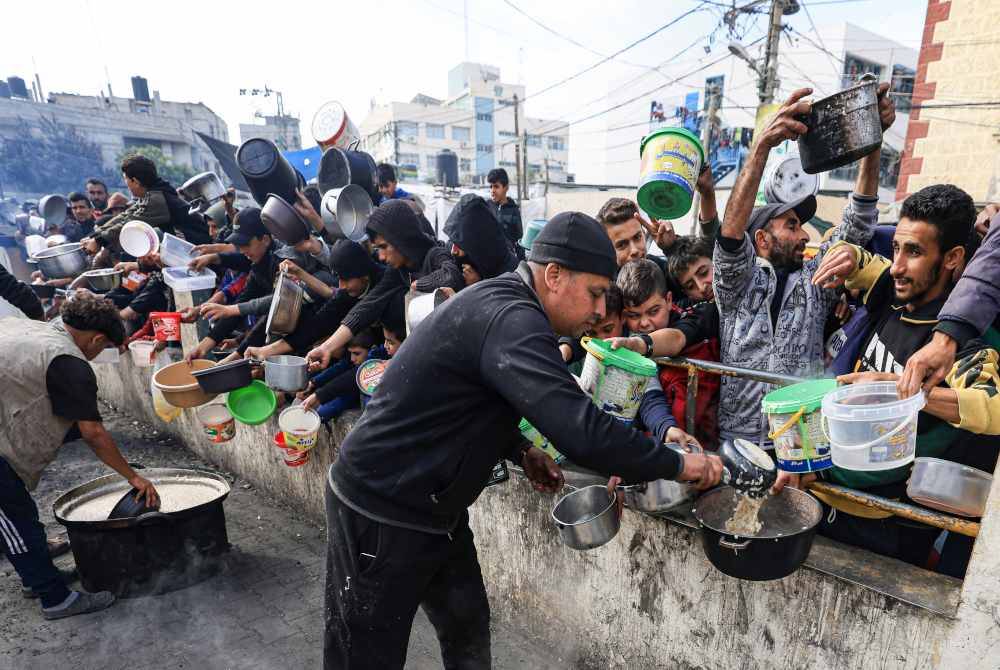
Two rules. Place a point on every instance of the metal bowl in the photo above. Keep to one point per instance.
(202, 190)
(660, 495)
(949, 486)
(282, 221)
(587, 518)
(286, 304)
(53, 209)
(104, 280)
(345, 212)
(65, 261)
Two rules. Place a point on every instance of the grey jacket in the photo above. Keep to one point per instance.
(744, 286)
(975, 301)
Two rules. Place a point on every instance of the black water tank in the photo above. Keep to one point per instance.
(4, 89)
(447, 168)
(140, 89)
(18, 89)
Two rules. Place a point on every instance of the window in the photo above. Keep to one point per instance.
(406, 128)
(482, 116)
(460, 133)
(498, 91)
(901, 88)
(557, 143)
(408, 160)
(506, 133)
(534, 140)
(434, 131)
(484, 148)
(854, 67)
(465, 165)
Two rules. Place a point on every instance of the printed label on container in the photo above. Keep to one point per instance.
(369, 375)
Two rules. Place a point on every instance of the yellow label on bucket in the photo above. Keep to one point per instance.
(670, 155)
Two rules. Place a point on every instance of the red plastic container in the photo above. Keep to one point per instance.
(166, 326)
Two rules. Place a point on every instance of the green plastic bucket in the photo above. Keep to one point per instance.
(615, 378)
(253, 404)
(531, 434)
(795, 424)
(671, 162)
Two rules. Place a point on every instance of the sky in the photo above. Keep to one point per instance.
(357, 52)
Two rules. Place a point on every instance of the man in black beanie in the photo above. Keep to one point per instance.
(447, 410)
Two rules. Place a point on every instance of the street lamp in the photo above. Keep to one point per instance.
(741, 52)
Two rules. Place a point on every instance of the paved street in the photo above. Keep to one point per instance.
(263, 611)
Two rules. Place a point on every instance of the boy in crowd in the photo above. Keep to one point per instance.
(507, 211)
(415, 261)
(335, 389)
(478, 242)
(387, 184)
(611, 326)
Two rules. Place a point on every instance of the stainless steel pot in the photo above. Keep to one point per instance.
(286, 373)
(286, 304)
(843, 127)
(54, 209)
(345, 212)
(202, 190)
(62, 262)
(949, 486)
(660, 495)
(282, 221)
(586, 518)
(104, 280)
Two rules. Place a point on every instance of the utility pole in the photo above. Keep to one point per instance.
(524, 158)
(769, 72)
(707, 129)
(517, 150)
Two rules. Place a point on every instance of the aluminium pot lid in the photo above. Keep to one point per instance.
(181, 491)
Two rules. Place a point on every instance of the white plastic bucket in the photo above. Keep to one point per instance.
(138, 238)
(870, 427)
(300, 426)
(141, 351)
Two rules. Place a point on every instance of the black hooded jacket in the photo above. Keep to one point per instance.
(193, 226)
(430, 265)
(477, 231)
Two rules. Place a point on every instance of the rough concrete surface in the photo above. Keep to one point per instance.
(265, 610)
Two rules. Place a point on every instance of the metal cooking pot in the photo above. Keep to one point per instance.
(843, 127)
(286, 373)
(155, 552)
(789, 525)
(420, 305)
(747, 467)
(54, 209)
(345, 212)
(104, 280)
(660, 495)
(282, 221)
(202, 190)
(949, 486)
(587, 518)
(62, 262)
(267, 171)
(340, 167)
(286, 304)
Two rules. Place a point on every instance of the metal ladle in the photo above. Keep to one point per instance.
(747, 467)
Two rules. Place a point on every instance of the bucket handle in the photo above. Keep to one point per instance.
(791, 422)
(879, 439)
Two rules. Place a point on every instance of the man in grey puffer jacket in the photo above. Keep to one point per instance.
(771, 316)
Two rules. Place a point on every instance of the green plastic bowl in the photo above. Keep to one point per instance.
(253, 404)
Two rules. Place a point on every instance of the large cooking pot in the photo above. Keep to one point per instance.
(340, 167)
(286, 373)
(843, 127)
(62, 262)
(286, 304)
(54, 209)
(282, 221)
(587, 518)
(155, 552)
(660, 495)
(266, 170)
(202, 191)
(788, 521)
(345, 212)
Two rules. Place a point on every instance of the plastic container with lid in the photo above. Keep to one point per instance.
(615, 379)
(183, 279)
(796, 425)
(332, 127)
(142, 352)
(671, 160)
(175, 252)
(870, 427)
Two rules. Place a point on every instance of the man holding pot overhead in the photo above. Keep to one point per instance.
(50, 396)
(446, 412)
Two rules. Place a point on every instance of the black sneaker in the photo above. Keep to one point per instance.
(83, 604)
(69, 575)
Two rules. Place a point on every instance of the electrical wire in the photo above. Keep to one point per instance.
(836, 70)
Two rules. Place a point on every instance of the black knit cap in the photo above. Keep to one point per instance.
(350, 260)
(577, 242)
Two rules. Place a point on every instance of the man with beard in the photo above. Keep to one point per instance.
(771, 315)
(904, 297)
(446, 412)
(97, 191)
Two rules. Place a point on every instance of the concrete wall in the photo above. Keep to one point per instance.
(649, 599)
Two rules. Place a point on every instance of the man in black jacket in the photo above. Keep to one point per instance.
(446, 411)
(508, 213)
(478, 241)
(18, 294)
(415, 262)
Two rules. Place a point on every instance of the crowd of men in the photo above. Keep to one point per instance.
(915, 303)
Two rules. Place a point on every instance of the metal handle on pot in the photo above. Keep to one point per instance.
(734, 546)
(152, 517)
